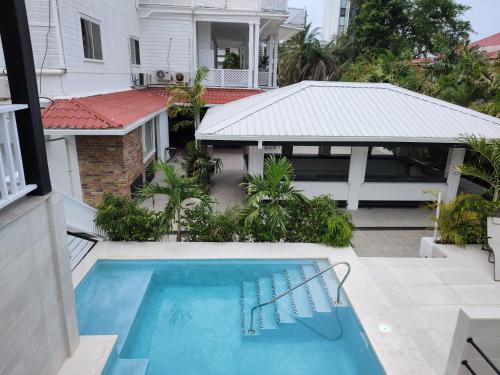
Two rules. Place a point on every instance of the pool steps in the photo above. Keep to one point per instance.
(315, 297)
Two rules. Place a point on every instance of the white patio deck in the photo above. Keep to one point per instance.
(418, 298)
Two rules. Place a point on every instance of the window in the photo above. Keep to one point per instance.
(135, 53)
(148, 138)
(91, 36)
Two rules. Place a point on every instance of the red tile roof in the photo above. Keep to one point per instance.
(120, 109)
(492, 40)
(489, 46)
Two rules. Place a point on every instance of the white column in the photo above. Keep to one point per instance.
(256, 56)
(255, 160)
(456, 159)
(357, 170)
(162, 135)
(250, 54)
(275, 67)
(270, 53)
(195, 48)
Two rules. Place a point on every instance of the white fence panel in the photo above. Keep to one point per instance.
(227, 78)
(12, 182)
(80, 216)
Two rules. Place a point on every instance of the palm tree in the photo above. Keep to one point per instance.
(488, 167)
(178, 189)
(270, 194)
(200, 164)
(304, 57)
(192, 96)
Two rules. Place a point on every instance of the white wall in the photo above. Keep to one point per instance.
(167, 43)
(483, 326)
(399, 191)
(63, 165)
(337, 190)
(38, 325)
(118, 19)
(331, 16)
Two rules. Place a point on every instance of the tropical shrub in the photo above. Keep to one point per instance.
(268, 199)
(320, 221)
(475, 232)
(200, 164)
(487, 168)
(124, 220)
(202, 224)
(456, 220)
(178, 189)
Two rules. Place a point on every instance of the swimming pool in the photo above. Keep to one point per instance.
(192, 318)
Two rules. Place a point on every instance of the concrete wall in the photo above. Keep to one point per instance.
(483, 326)
(38, 326)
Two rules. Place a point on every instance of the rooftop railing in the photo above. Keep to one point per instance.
(265, 5)
(12, 181)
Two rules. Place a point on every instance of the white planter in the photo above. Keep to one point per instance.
(429, 249)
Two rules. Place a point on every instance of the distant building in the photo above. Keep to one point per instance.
(489, 46)
(336, 18)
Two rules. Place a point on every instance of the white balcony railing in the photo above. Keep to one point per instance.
(264, 79)
(80, 217)
(265, 5)
(227, 78)
(275, 5)
(12, 182)
(173, 3)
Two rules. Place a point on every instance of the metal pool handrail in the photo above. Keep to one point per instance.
(337, 302)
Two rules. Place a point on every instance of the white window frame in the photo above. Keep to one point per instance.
(132, 51)
(98, 23)
(149, 153)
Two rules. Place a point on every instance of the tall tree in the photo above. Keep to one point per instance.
(304, 57)
(191, 96)
(420, 26)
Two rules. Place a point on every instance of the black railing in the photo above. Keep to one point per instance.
(483, 355)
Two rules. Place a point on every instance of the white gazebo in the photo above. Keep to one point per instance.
(358, 142)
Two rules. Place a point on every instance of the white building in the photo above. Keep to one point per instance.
(335, 18)
(93, 47)
(89, 53)
(361, 143)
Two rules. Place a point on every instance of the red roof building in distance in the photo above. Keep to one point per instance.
(121, 109)
(489, 46)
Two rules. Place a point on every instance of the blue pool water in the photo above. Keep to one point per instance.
(192, 318)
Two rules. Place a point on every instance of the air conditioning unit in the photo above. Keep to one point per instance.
(163, 76)
(181, 77)
(141, 79)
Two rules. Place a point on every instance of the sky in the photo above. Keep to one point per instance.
(483, 14)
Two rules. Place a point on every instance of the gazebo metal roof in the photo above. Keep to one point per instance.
(344, 112)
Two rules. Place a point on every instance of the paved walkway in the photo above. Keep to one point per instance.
(388, 243)
(425, 295)
(225, 186)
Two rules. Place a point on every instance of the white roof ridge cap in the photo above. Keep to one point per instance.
(287, 91)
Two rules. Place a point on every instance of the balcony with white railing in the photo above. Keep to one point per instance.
(12, 182)
(255, 5)
(227, 78)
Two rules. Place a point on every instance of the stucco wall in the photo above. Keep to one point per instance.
(38, 326)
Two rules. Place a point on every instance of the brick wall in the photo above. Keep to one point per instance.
(109, 163)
